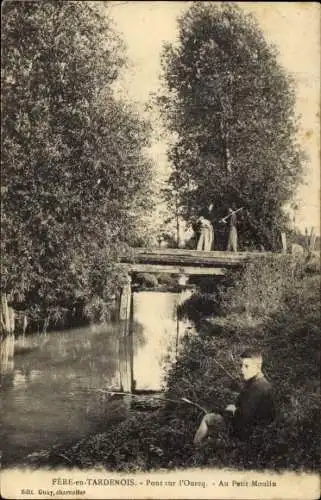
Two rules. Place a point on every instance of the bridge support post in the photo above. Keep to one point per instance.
(125, 300)
(284, 243)
(126, 337)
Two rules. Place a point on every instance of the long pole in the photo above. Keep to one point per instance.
(180, 400)
(222, 367)
(229, 215)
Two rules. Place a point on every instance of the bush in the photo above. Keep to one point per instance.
(198, 306)
(167, 279)
(146, 280)
(258, 290)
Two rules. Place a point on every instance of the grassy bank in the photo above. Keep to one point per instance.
(274, 307)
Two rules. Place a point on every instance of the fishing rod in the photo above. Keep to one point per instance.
(159, 398)
(222, 367)
(226, 371)
(194, 404)
(180, 400)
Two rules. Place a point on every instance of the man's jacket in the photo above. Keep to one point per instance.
(254, 407)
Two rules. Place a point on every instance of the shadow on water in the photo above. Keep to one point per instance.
(54, 390)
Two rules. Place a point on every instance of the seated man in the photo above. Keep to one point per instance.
(254, 405)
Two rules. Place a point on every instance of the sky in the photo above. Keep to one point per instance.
(294, 27)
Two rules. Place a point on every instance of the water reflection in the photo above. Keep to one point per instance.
(156, 312)
(126, 363)
(24, 377)
(55, 392)
(6, 354)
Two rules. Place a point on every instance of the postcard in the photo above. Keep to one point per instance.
(160, 220)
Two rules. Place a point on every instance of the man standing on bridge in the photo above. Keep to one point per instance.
(232, 238)
(254, 406)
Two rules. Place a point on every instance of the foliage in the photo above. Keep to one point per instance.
(146, 280)
(198, 306)
(73, 165)
(167, 279)
(258, 289)
(231, 108)
(159, 281)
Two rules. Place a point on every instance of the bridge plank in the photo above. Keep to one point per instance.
(192, 258)
(172, 269)
(197, 253)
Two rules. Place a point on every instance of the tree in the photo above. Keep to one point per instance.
(73, 162)
(232, 108)
(173, 200)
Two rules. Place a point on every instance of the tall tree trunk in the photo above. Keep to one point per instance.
(7, 317)
(225, 136)
(6, 353)
(177, 221)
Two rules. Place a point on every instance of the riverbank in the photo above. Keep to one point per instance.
(274, 307)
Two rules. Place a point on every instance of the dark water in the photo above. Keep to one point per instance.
(54, 391)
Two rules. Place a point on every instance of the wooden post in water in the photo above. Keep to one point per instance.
(284, 245)
(131, 344)
(125, 364)
(126, 338)
(125, 300)
(312, 240)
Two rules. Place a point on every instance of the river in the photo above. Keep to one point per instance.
(54, 392)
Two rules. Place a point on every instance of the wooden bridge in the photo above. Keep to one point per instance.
(171, 261)
(189, 262)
